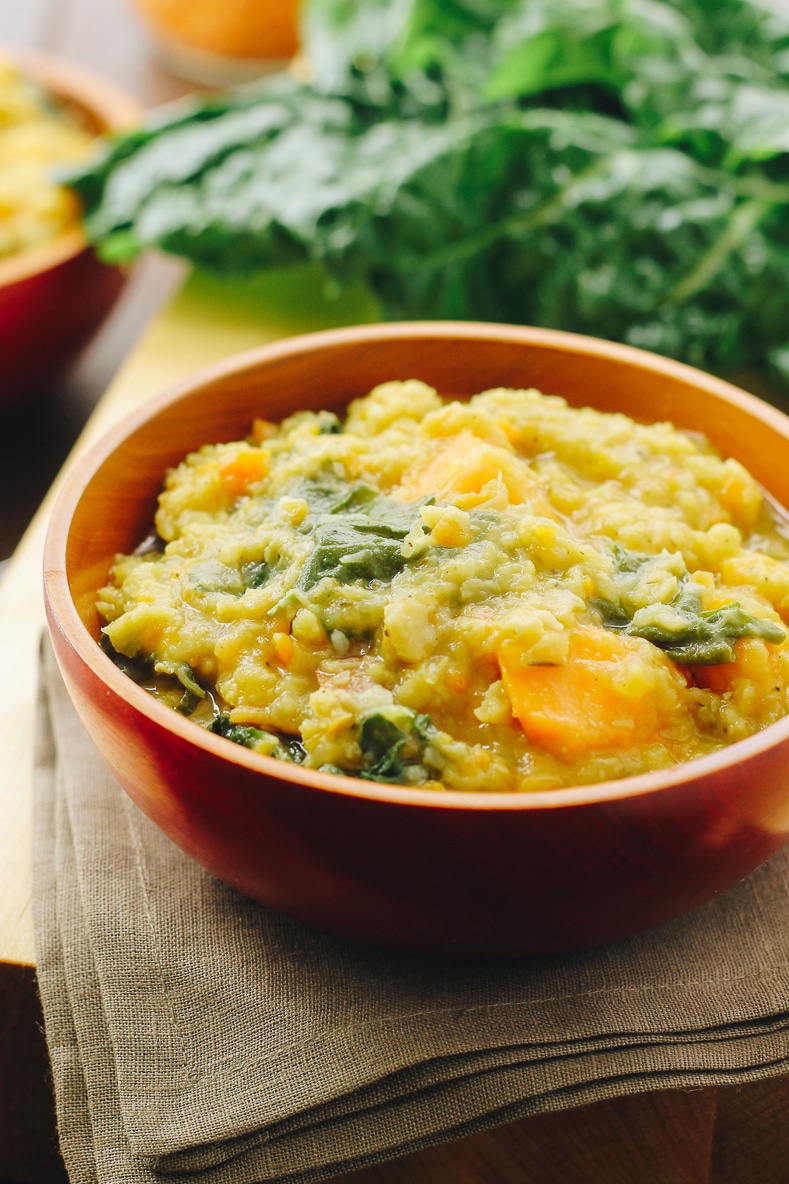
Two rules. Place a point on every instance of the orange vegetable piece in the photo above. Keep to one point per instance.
(460, 469)
(755, 660)
(263, 429)
(581, 706)
(283, 648)
(244, 470)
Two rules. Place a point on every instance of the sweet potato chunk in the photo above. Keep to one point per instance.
(464, 470)
(613, 692)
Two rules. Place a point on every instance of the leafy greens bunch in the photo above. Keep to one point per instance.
(614, 167)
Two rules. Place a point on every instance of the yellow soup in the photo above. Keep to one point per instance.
(36, 138)
(505, 594)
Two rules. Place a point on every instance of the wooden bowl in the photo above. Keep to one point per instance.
(448, 873)
(53, 297)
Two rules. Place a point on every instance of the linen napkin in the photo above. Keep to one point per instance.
(196, 1034)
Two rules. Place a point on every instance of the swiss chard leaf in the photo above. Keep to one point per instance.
(139, 668)
(326, 493)
(142, 668)
(188, 703)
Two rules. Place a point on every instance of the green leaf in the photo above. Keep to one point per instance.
(185, 675)
(256, 574)
(686, 634)
(357, 531)
(392, 743)
(283, 748)
(188, 703)
(705, 638)
(551, 60)
(349, 551)
(612, 167)
(139, 668)
(241, 734)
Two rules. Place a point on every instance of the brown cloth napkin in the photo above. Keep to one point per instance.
(197, 1035)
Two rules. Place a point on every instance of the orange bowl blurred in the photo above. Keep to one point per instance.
(244, 29)
(54, 296)
(500, 874)
(222, 43)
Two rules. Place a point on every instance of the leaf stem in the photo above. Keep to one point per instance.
(743, 220)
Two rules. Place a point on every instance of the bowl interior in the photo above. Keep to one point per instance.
(109, 505)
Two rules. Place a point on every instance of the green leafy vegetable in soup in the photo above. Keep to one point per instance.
(507, 594)
(682, 629)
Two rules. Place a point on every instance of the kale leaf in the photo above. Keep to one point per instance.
(614, 167)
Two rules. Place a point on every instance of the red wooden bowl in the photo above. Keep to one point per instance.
(450, 873)
(53, 297)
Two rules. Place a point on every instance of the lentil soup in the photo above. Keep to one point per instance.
(507, 594)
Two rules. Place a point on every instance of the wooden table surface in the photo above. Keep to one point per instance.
(719, 1135)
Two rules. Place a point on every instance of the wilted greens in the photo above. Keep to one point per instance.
(696, 638)
(396, 746)
(615, 167)
(361, 538)
(284, 748)
(682, 629)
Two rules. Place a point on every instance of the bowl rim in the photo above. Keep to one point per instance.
(110, 105)
(67, 621)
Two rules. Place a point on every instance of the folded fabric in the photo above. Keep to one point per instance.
(194, 1031)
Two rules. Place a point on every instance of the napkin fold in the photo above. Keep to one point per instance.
(196, 1034)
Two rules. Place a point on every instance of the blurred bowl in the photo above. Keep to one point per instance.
(53, 297)
(223, 42)
(440, 872)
